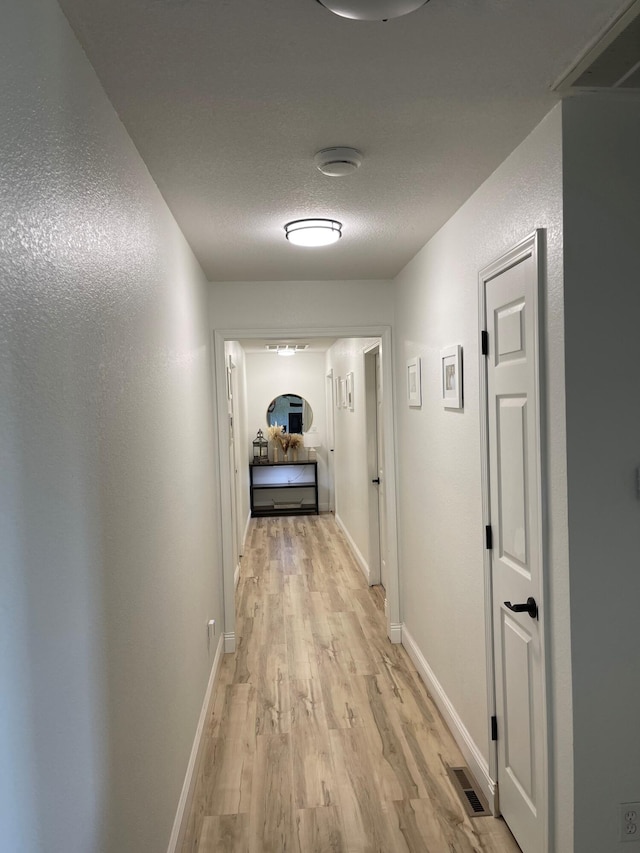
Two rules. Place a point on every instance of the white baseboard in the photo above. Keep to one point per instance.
(186, 796)
(360, 560)
(229, 642)
(245, 534)
(476, 762)
(324, 507)
(396, 632)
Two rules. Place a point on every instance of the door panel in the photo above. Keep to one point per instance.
(518, 680)
(511, 427)
(510, 303)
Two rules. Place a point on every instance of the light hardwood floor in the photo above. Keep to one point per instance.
(322, 737)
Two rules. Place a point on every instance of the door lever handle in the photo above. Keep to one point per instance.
(377, 481)
(530, 607)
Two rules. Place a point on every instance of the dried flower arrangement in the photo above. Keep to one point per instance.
(274, 432)
(290, 441)
(295, 440)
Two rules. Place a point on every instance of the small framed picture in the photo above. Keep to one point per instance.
(414, 383)
(349, 390)
(451, 377)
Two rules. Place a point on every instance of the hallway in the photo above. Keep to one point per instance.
(322, 737)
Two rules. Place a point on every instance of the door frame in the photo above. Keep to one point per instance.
(532, 245)
(220, 336)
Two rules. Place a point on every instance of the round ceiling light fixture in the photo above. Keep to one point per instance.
(313, 232)
(372, 10)
(338, 162)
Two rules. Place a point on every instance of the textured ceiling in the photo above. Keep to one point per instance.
(228, 100)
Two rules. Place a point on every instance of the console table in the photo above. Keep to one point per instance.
(284, 488)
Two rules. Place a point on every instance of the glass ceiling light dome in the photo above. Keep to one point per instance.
(372, 10)
(313, 232)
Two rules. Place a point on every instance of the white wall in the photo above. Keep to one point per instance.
(440, 510)
(109, 560)
(352, 474)
(602, 299)
(300, 305)
(268, 376)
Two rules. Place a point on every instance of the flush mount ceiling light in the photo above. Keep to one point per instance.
(286, 351)
(337, 162)
(313, 232)
(372, 10)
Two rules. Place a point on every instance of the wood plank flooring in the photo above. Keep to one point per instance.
(322, 738)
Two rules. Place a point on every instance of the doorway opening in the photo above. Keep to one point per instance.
(385, 429)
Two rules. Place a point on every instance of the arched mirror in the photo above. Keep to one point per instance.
(291, 411)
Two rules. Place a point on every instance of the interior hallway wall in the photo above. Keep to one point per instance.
(275, 305)
(440, 500)
(601, 138)
(109, 564)
(352, 474)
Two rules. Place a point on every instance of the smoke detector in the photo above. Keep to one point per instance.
(337, 162)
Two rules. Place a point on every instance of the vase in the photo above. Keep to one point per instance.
(294, 454)
(275, 452)
(285, 456)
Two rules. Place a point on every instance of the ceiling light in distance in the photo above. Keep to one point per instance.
(313, 232)
(337, 162)
(287, 351)
(372, 10)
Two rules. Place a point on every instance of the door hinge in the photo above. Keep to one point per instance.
(494, 728)
(488, 538)
(484, 343)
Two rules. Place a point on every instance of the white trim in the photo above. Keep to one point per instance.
(364, 566)
(472, 755)
(229, 642)
(395, 633)
(246, 533)
(186, 796)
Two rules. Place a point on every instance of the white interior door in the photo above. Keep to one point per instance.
(238, 458)
(382, 495)
(510, 291)
(235, 549)
(331, 407)
(371, 368)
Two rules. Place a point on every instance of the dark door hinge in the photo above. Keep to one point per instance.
(488, 538)
(494, 728)
(484, 343)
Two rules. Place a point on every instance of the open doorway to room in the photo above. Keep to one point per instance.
(345, 409)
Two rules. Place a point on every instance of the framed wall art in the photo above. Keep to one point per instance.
(343, 393)
(414, 383)
(349, 391)
(451, 377)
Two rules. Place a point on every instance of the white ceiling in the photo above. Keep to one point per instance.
(228, 100)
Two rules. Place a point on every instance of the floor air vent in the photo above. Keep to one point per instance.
(470, 795)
